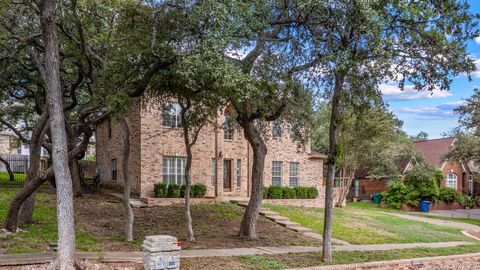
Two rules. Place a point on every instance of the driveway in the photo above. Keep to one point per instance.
(457, 213)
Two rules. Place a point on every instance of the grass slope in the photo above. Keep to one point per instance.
(358, 223)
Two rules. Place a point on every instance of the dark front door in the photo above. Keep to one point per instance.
(227, 175)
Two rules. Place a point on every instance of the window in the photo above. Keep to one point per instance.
(239, 172)
(451, 181)
(114, 169)
(294, 173)
(19, 150)
(109, 128)
(470, 184)
(174, 170)
(227, 129)
(276, 173)
(291, 131)
(213, 173)
(277, 129)
(171, 115)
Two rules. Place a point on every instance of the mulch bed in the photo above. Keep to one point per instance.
(215, 226)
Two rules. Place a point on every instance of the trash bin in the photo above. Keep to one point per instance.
(377, 198)
(425, 206)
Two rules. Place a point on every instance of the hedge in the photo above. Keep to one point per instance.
(164, 190)
(278, 192)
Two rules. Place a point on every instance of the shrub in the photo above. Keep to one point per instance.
(160, 190)
(449, 195)
(398, 194)
(301, 192)
(425, 181)
(312, 192)
(289, 193)
(199, 190)
(275, 192)
(173, 191)
(468, 201)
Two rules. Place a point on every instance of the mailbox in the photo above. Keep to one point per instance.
(161, 252)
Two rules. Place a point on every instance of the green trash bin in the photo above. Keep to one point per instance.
(376, 198)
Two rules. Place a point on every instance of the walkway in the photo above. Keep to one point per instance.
(456, 224)
(457, 213)
(135, 203)
(41, 258)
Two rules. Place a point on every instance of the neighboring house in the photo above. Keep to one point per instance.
(459, 176)
(222, 157)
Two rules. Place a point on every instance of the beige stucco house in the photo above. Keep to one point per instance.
(222, 157)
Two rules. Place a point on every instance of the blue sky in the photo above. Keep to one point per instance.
(433, 113)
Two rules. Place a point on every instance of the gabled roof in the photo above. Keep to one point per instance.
(434, 150)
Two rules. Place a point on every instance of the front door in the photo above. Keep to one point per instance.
(227, 175)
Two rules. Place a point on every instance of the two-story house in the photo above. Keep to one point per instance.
(222, 157)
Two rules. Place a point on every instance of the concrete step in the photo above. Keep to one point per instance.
(268, 213)
(277, 218)
(288, 224)
(300, 229)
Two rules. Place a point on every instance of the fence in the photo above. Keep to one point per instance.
(19, 166)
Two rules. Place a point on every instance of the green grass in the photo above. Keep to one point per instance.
(37, 236)
(362, 223)
(309, 259)
(5, 179)
(466, 220)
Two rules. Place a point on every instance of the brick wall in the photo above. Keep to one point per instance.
(453, 167)
(464, 261)
(151, 142)
(372, 186)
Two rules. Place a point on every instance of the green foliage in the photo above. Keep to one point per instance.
(275, 192)
(301, 192)
(173, 191)
(468, 201)
(199, 190)
(450, 195)
(398, 194)
(312, 192)
(160, 190)
(289, 193)
(424, 180)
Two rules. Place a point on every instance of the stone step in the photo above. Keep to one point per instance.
(288, 224)
(300, 229)
(277, 218)
(268, 213)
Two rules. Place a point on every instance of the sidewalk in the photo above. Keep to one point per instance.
(40, 258)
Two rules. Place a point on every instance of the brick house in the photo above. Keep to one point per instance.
(460, 176)
(222, 157)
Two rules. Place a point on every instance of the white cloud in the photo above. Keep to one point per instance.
(476, 73)
(393, 92)
(444, 111)
(477, 40)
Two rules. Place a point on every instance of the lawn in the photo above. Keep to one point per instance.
(99, 226)
(267, 262)
(361, 223)
(5, 179)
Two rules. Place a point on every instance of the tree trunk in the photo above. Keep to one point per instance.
(12, 215)
(345, 189)
(74, 170)
(26, 210)
(9, 169)
(332, 156)
(65, 217)
(127, 183)
(249, 221)
(188, 184)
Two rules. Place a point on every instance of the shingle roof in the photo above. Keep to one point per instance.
(434, 150)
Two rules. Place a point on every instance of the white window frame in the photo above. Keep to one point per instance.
(227, 131)
(171, 115)
(173, 170)
(451, 181)
(470, 184)
(239, 173)
(277, 173)
(294, 173)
